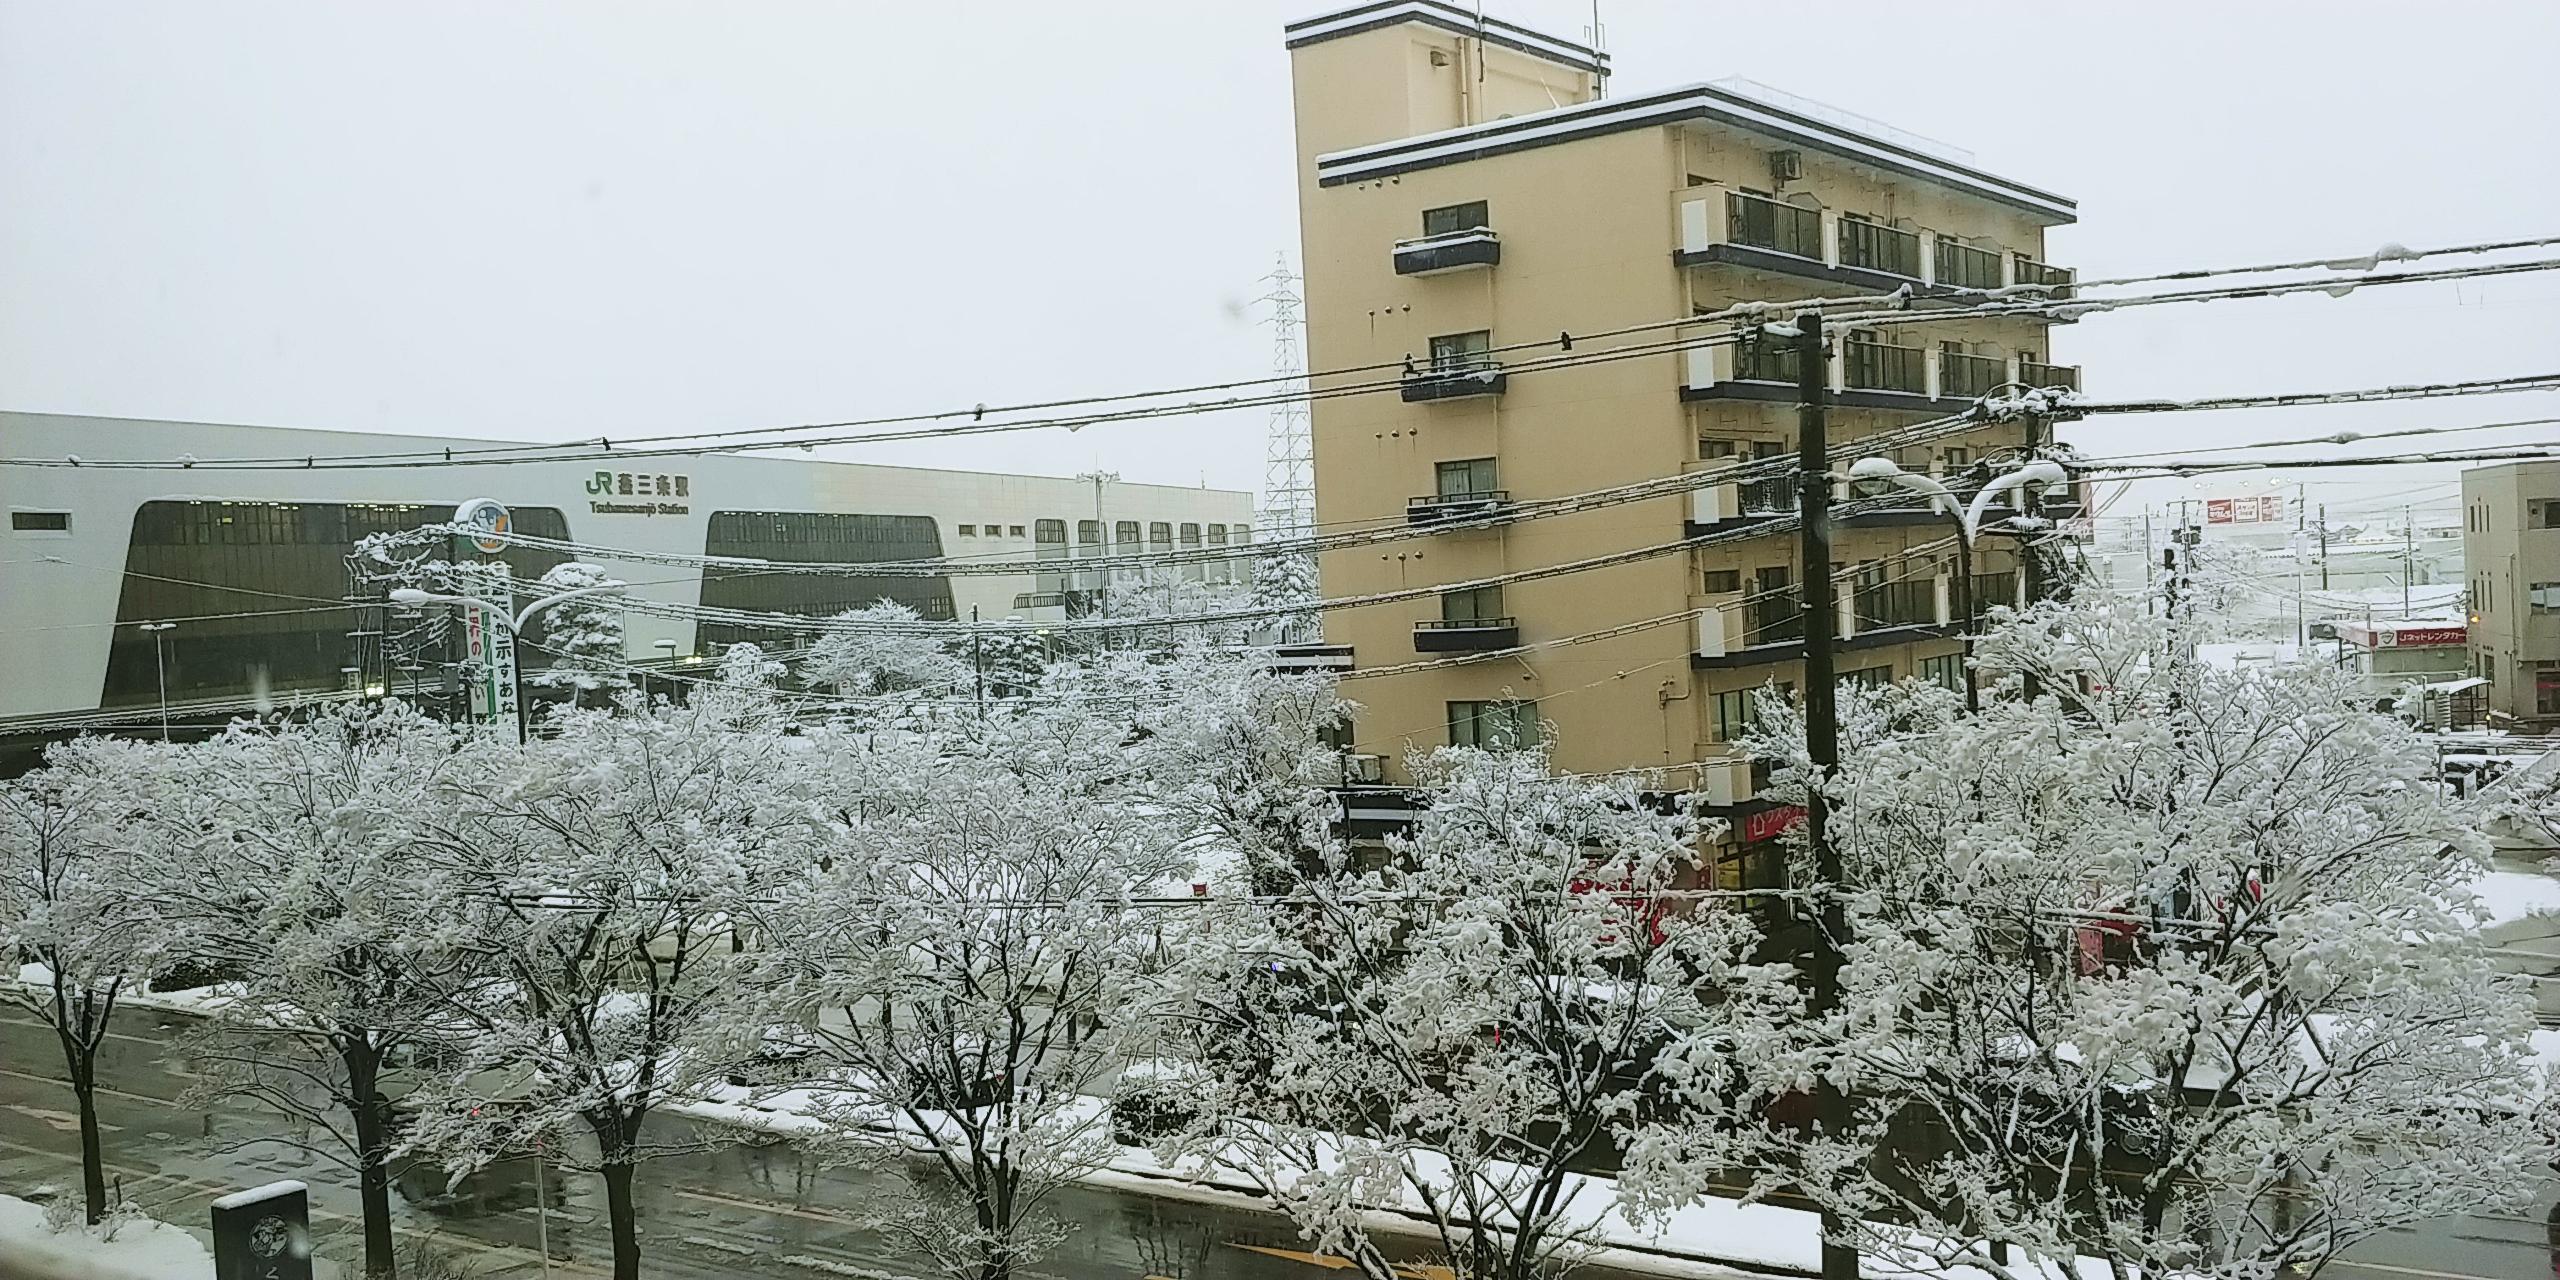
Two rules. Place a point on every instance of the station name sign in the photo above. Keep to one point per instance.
(604, 486)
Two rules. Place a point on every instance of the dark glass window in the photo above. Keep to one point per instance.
(1493, 726)
(40, 521)
(819, 537)
(254, 590)
(1449, 220)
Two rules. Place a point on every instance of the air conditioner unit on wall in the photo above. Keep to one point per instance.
(1786, 166)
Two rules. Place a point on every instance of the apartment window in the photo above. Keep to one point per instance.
(40, 521)
(1709, 449)
(1159, 534)
(1475, 604)
(1868, 677)
(1050, 531)
(1738, 713)
(2546, 693)
(1723, 581)
(1089, 533)
(1016, 530)
(1493, 726)
(2545, 597)
(1945, 669)
(1457, 352)
(1466, 477)
(1244, 534)
(1449, 220)
(1125, 533)
(1217, 535)
(1775, 616)
(2543, 513)
(968, 531)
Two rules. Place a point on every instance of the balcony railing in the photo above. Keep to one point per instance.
(1430, 255)
(1764, 497)
(1774, 225)
(1878, 247)
(1450, 379)
(1775, 619)
(1465, 635)
(1432, 508)
(1879, 366)
(1994, 588)
(1966, 267)
(1912, 602)
(1767, 361)
(2036, 375)
(2056, 279)
(1966, 377)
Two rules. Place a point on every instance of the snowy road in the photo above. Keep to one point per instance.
(730, 1211)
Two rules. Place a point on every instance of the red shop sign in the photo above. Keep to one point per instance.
(1769, 824)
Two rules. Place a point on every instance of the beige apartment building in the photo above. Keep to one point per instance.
(1464, 187)
(2511, 565)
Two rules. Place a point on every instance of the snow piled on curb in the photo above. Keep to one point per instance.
(140, 1251)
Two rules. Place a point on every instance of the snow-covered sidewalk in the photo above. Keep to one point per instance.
(141, 1250)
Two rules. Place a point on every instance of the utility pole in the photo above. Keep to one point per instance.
(2030, 503)
(2408, 556)
(1821, 728)
(978, 659)
(2324, 546)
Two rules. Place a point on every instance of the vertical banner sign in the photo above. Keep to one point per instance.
(263, 1233)
(490, 642)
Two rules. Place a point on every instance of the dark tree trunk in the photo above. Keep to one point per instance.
(617, 1170)
(93, 1156)
(373, 1152)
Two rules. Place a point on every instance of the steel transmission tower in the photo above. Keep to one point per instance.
(1288, 472)
(1289, 461)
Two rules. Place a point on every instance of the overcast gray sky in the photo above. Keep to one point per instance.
(545, 221)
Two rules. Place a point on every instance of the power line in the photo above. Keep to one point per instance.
(2013, 301)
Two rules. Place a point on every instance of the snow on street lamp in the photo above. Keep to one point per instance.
(411, 597)
(1968, 520)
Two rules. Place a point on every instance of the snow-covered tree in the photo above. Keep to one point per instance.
(607, 865)
(1238, 754)
(1523, 987)
(2168, 963)
(583, 634)
(963, 957)
(1171, 594)
(79, 929)
(1290, 580)
(313, 875)
(866, 652)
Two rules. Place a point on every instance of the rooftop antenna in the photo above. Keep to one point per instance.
(1599, 59)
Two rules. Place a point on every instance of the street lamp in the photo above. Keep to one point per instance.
(160, 665)
(1968, 520)
(411, 597)
(666, 659)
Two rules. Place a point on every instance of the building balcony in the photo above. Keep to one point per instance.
(1436, 508)
(1969, 377)
(1305, 658)
(1456, 251)
(1877, 247)
(1882, 366)
(1465, 635)
(2025, 270)
(2065, 376)
(1722, 227)
(1738, 633)
(1453, 381)
(1861, 374)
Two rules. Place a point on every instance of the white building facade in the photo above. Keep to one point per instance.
(248, 566)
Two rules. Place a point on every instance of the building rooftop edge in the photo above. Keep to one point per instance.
(1703, 100)
(7, 416)
(1357, 18)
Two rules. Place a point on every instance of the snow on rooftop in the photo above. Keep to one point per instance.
(1842, 118)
